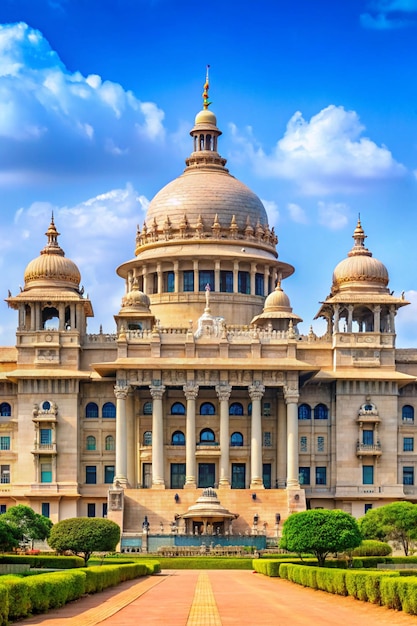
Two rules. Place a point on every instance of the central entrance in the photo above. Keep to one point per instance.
(206, 475)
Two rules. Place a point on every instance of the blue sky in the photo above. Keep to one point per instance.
(317, 101)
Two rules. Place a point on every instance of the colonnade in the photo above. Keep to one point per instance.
(287, 436)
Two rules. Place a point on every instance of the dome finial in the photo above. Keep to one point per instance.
(206, 101)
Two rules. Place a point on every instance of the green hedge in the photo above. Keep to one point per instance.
(371, 547)
(44, 560)
(195, 562)
(23, 596)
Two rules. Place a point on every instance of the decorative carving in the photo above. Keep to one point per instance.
(256, 390)
(223, 392)
(190, 390)
(157, 391)
(121, 391)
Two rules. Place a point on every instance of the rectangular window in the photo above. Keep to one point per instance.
(368, 437)
(408, 475)
(226, 281)
(91, 474)
(408, 444)
(3, 508)
(303, 444)
(304, 475)
(169, 282)
(45, 436)
(205, 277)
(266, 409)
(320, 444)
(104, 509)
(46, 472)
(243, 282)
(367, 474)
(321, 475)
(259, 285)
(108, 474)
(4, 474)
(45, 509)
(368, 507)
(267, 440)
(91, 509)
(5, 443)
(188, 280)
(177, 475)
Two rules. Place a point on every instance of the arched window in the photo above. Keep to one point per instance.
(91, 410)
(178, 438)
(5, 409)
(207, 408)
(147, 438)
(109, 442)
(407, 413)
(108, 410)
(321, 412)
(178, 409)
(90, 443)
(304, 412)
(147, 408)
(46, 405)
(236, 440)
(235, 409)
(207, 436)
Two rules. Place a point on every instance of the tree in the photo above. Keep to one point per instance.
(84, 535)
(9, 535)
(320, 532)
(32, 525)
(396, 522)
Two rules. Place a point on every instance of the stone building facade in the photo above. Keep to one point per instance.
(206, 381)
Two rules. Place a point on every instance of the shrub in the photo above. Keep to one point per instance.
(370, 547)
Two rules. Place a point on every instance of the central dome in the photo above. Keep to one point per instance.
(207, 193)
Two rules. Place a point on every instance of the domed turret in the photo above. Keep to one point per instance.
(277, 311)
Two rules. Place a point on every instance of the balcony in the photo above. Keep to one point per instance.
(368, 449)
(208, 448)
(44, 448)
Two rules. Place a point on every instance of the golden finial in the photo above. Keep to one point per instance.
(206, 101)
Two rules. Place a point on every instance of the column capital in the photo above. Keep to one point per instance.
(157, 391)
(223, 392)
(121, 391)
(256, 390)
(291, 394)
(190, 390)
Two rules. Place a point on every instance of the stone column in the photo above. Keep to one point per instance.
(217, 276)
(256, 391)
(158, 481)
(282, 444)
(196, 276)
(236, 277)
(223, 392)
(252, 278)
(121, 391)
(336, 318)
(176, 277)
(377, 318)
(291, 398)
(191, 392)
(350, 318)
(132, 479)
(266, 281)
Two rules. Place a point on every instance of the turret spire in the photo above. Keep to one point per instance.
(206, 102)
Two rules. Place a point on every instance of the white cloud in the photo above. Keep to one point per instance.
(327, 154)
(333, 215)
(44, 106)
(272, 211)
(389, 14)
(297, 213)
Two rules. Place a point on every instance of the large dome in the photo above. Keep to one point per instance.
(52, 268)
(207, 193)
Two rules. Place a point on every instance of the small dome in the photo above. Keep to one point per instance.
(205, 116)
(277, 300)
(52, 268)
(360, 268)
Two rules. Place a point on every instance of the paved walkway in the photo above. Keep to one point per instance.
(217, 598)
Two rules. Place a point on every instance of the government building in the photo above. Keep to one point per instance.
(205, 410)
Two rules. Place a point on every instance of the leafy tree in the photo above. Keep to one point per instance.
(320, 532)
(9, 535)
(396, 522)
(84, 535)
(32, 525)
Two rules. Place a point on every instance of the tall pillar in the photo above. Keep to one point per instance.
(377, 318)
(191, 392)
(282, 444)
(291, 398)
(223, 393)
(158, 481)
(256, 391)
(131, 439)
(121, 391)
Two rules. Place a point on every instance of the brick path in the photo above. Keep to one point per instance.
(217, 598)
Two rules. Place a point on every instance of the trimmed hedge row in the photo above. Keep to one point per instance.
(385, 588)
(20, 597)
(44, 560)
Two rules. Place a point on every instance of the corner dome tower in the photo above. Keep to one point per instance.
(205, 229)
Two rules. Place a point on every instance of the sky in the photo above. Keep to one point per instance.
(317, 102)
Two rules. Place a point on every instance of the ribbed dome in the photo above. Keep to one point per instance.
(52, 268)
(206, 193)
(360, 268)
(277, 300)
(136, 300)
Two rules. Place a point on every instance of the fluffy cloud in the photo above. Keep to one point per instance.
(44, 107)
(389, 14)
(296, 213)
(272, 211)
(327, 154)
(333, 215)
